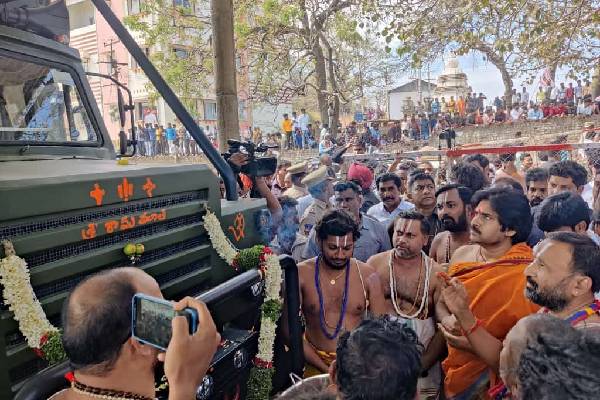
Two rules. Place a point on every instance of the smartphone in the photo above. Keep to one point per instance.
(151, 320)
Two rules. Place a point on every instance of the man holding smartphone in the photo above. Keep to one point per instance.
(105, 358)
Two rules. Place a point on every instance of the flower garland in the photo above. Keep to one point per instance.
(40, 334)
(261, 375)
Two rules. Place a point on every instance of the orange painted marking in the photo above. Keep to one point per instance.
(149, 187)
(125, 190)
(127, 223)
(239, 225)
(97, 194)
(146, 218)
(89, 233)
(111, 226)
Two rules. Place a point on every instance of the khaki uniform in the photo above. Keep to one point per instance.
(312, 215)
(295, 192)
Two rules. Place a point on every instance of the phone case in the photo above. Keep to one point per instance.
(193, 320)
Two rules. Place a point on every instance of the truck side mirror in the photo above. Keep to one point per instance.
(121, 107)
(123, 142)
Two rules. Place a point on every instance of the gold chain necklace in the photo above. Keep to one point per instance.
(106, 394)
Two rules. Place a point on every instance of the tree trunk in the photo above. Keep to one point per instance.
(321, 80)
(596, 82)
(499, 63)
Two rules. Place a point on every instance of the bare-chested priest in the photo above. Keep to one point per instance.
(336, 290)
(455, 211)
(411, 290)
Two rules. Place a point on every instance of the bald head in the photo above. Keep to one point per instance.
(325, 160)
(97, 317)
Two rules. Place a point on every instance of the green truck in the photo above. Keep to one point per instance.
(69, 206)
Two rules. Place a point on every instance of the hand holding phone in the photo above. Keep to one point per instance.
(188, 356)
(151, 320)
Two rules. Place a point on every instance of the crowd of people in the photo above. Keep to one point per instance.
(476, 109)
(156, 140)
(463, 279)
(465, 258)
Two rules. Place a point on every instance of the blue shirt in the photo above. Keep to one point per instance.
(435, 107)
(171, 133)
(534, 115)
(373, 240)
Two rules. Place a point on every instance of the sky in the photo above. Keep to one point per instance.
(482, 76)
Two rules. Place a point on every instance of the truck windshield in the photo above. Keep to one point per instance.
(41, 104)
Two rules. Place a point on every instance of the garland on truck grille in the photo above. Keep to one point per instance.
(41, 335)
(45, 338)
(261, 374)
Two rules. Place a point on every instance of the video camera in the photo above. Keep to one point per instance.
(256, 166)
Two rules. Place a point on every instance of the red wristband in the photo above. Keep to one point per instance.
(475, 326)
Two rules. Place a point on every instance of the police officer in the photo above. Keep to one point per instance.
(320, 187)
(297, 173)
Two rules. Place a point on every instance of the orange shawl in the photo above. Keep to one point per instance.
(496, 293)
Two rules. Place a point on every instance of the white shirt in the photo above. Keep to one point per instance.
(525, 97)
(515, 114)
(382, 215)
(303, 121)
(588, 194)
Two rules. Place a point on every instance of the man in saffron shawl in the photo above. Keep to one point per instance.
(336, 290)
(488, 275)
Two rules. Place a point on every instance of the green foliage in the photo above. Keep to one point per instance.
(271, 309)
(259, 383)
(53, 350)
(178, 40)
(249, 258)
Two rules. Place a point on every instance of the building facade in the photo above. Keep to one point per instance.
(102, 52)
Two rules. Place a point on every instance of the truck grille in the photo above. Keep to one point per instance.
(133, 207)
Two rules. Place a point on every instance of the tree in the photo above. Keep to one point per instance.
(179, 43)
(519, 37)
(295, 46)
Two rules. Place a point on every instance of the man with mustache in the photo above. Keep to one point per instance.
(389, 187)
(373, 235)
(421, 192)
(564, 276)
(483, 298)
(536, 180)
(336, 290)
(454, 210)
(411, 289)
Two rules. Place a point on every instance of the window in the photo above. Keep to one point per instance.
(210, 110)
(134, 6)
(41, 104)
(242, 109)
(180, 53)
(134, 64)
(182, 3)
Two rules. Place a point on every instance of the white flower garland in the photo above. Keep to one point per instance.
(21, 299)
(224, 248)
(272, 276)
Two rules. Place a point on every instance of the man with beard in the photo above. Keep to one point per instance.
(484, 297)
(454, 210)
(536, 180)
(411, 289)
(389, 186)
(373, 236)
(421, 192)
(336, 290)
(105, 357)
(564, 276)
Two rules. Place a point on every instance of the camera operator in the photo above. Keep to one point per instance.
(260, 187)
(108, 362)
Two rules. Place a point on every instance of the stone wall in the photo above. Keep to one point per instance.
(535, 132)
